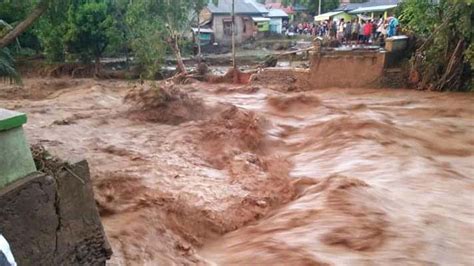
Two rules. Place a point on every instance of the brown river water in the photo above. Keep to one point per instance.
(259, 177)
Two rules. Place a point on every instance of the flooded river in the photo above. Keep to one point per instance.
(326, 177)
(387, 178)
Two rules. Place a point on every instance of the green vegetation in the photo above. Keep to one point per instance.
(89, 31)
(150, 30)
(85, 30)
(7, 69)
(444, 58)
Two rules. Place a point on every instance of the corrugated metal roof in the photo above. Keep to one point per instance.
(327, 15)
(202, 30)
(277, 13)
(241, 7)
(369, 3)
(260, 19)
(372, 9)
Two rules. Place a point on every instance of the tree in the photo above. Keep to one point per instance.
(444, 60)
(159, 23)
(89, 27)
(9, 34)
(234, 65)
(198, 7)
(177, 17)
(146, 35)
(326, 5)
(7, 69)
(12, 35)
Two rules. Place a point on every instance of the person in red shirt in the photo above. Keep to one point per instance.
(367, 31)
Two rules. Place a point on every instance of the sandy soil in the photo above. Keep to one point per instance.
(260, 177)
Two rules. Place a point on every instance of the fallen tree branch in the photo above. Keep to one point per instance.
(11, 36)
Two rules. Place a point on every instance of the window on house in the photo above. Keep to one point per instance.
(227, 27)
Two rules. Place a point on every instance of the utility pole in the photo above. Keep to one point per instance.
(319, 7)
(233, 34)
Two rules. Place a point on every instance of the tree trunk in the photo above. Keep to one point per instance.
(97, 66)
(40, 8)
(198, 38)
(177, 53)
(234, 65)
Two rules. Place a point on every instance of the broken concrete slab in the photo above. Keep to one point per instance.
(54, 221)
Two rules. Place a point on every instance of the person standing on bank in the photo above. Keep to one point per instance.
(340, 31)
(367, 31)
(361, 31)
(348, 32)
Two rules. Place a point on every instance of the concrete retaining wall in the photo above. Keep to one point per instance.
(328, 69)
(346, 69)
(50, 221)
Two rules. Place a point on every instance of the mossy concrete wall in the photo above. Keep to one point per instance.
(53, 220)
(15, 155)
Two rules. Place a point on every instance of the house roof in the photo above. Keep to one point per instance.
(260, 19)
(277, 13)
(202, 30)
(372, 9)
(241, 7)
(288, 10)
(369, 3)
(327, 15)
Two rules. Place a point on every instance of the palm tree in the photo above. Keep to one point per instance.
(7, 69)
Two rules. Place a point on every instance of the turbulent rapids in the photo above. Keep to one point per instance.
(240, 174)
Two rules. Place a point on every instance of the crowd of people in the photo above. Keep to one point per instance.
(358, 30)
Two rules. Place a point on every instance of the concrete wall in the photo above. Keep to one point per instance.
(283, 79)
(329, 69)
(53, 221)
(346, 69)
(244, 28)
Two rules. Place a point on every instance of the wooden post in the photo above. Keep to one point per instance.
(234, 65)
(199, 38)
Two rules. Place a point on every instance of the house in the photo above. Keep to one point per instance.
(278, 18)
(251, 20)
(205, 36)
(287, 9)
(295, 12)
(372, 8)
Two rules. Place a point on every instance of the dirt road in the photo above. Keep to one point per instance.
(334, 176)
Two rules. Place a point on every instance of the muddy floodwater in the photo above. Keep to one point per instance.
(341, 176)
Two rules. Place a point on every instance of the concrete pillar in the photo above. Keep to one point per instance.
(15, 155)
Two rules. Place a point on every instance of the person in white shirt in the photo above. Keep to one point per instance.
(6, 256)
(340, 30)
